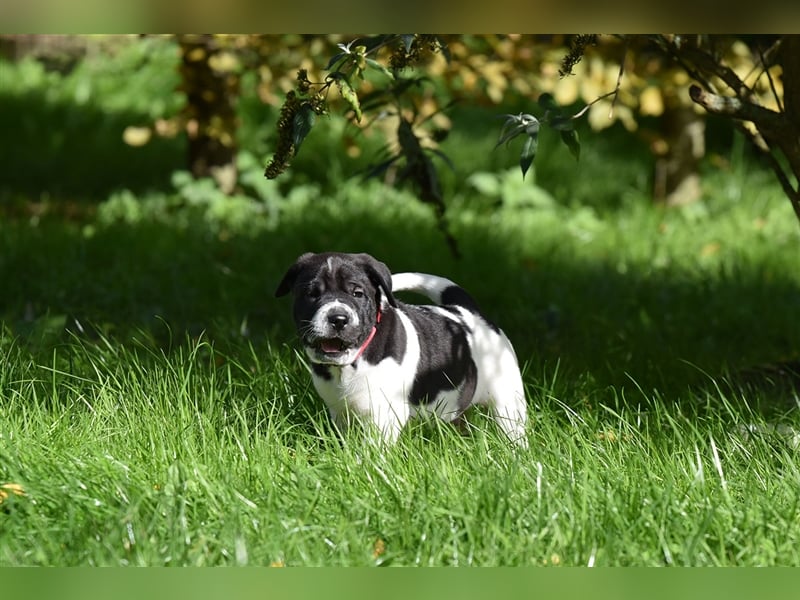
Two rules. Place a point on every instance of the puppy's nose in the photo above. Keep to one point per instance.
(338, 321)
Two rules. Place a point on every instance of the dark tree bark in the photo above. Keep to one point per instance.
(211, 94)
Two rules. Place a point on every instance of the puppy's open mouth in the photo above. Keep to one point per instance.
(331, 346)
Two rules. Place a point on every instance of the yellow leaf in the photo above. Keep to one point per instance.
(224, 62)
(651, 102)
(7, 489)
(349, 95)
(378, 549)
(710, 249)
(196, 55)
(608, 436)
(599, 115)
(136, 136)
(167, 128)
(566, 92)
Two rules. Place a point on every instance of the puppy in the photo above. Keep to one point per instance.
(381, 361)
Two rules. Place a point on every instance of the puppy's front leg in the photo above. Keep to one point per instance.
(389, 416)
(381, 423)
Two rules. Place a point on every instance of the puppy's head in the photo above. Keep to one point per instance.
(337, 298)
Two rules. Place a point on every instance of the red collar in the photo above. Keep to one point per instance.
(370, 336)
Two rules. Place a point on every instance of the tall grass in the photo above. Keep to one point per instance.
(130, 457)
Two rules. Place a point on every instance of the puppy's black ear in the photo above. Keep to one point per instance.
(380, 275)
(287, 283)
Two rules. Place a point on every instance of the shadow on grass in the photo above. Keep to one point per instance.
(664, 331)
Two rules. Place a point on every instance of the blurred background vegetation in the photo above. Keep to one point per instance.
(210, 96)
(133, 195)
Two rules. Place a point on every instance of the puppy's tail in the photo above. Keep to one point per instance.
(440, 290)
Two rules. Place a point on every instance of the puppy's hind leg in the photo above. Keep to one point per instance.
(511, 416)
(507, 406)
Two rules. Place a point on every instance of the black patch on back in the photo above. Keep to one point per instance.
(445, 359)
(457, 314)
(458, 296)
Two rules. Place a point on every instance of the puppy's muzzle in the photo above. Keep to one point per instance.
(334, 334)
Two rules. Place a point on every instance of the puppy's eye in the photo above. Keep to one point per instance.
(358, 293)
(313, 292)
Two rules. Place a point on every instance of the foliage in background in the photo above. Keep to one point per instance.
(652, 73)
(648, 75)
(651, 77)
(200, 202)
(60, 123)
(655, 82)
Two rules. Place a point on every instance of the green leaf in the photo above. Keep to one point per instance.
(570, 138)
(444, 157)
(517, 124)
(528, 153)
(301, 124)
(485, 183)
(380, 168)
(361, 57)
(336, 58)
(510, 135)
(562, 123)
(349, 95)
(376, 65)
(531, 125)
(547, 102)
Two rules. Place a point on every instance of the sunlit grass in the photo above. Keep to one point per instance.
(129, 457)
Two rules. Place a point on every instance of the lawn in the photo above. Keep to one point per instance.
(154, 409)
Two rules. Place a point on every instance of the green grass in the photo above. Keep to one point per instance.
(129, 457)
(154, 410)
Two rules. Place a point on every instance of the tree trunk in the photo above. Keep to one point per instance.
(790, 63)
(677, 177)
(211, 92)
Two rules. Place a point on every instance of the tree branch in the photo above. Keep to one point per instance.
(671, 49)
(771, 82)
(581, 112)
(767, 121)
(709, 64)
(736, 108)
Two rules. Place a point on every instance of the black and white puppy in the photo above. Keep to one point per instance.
(382, 361)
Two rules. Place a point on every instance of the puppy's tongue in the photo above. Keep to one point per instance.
(331, 346)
